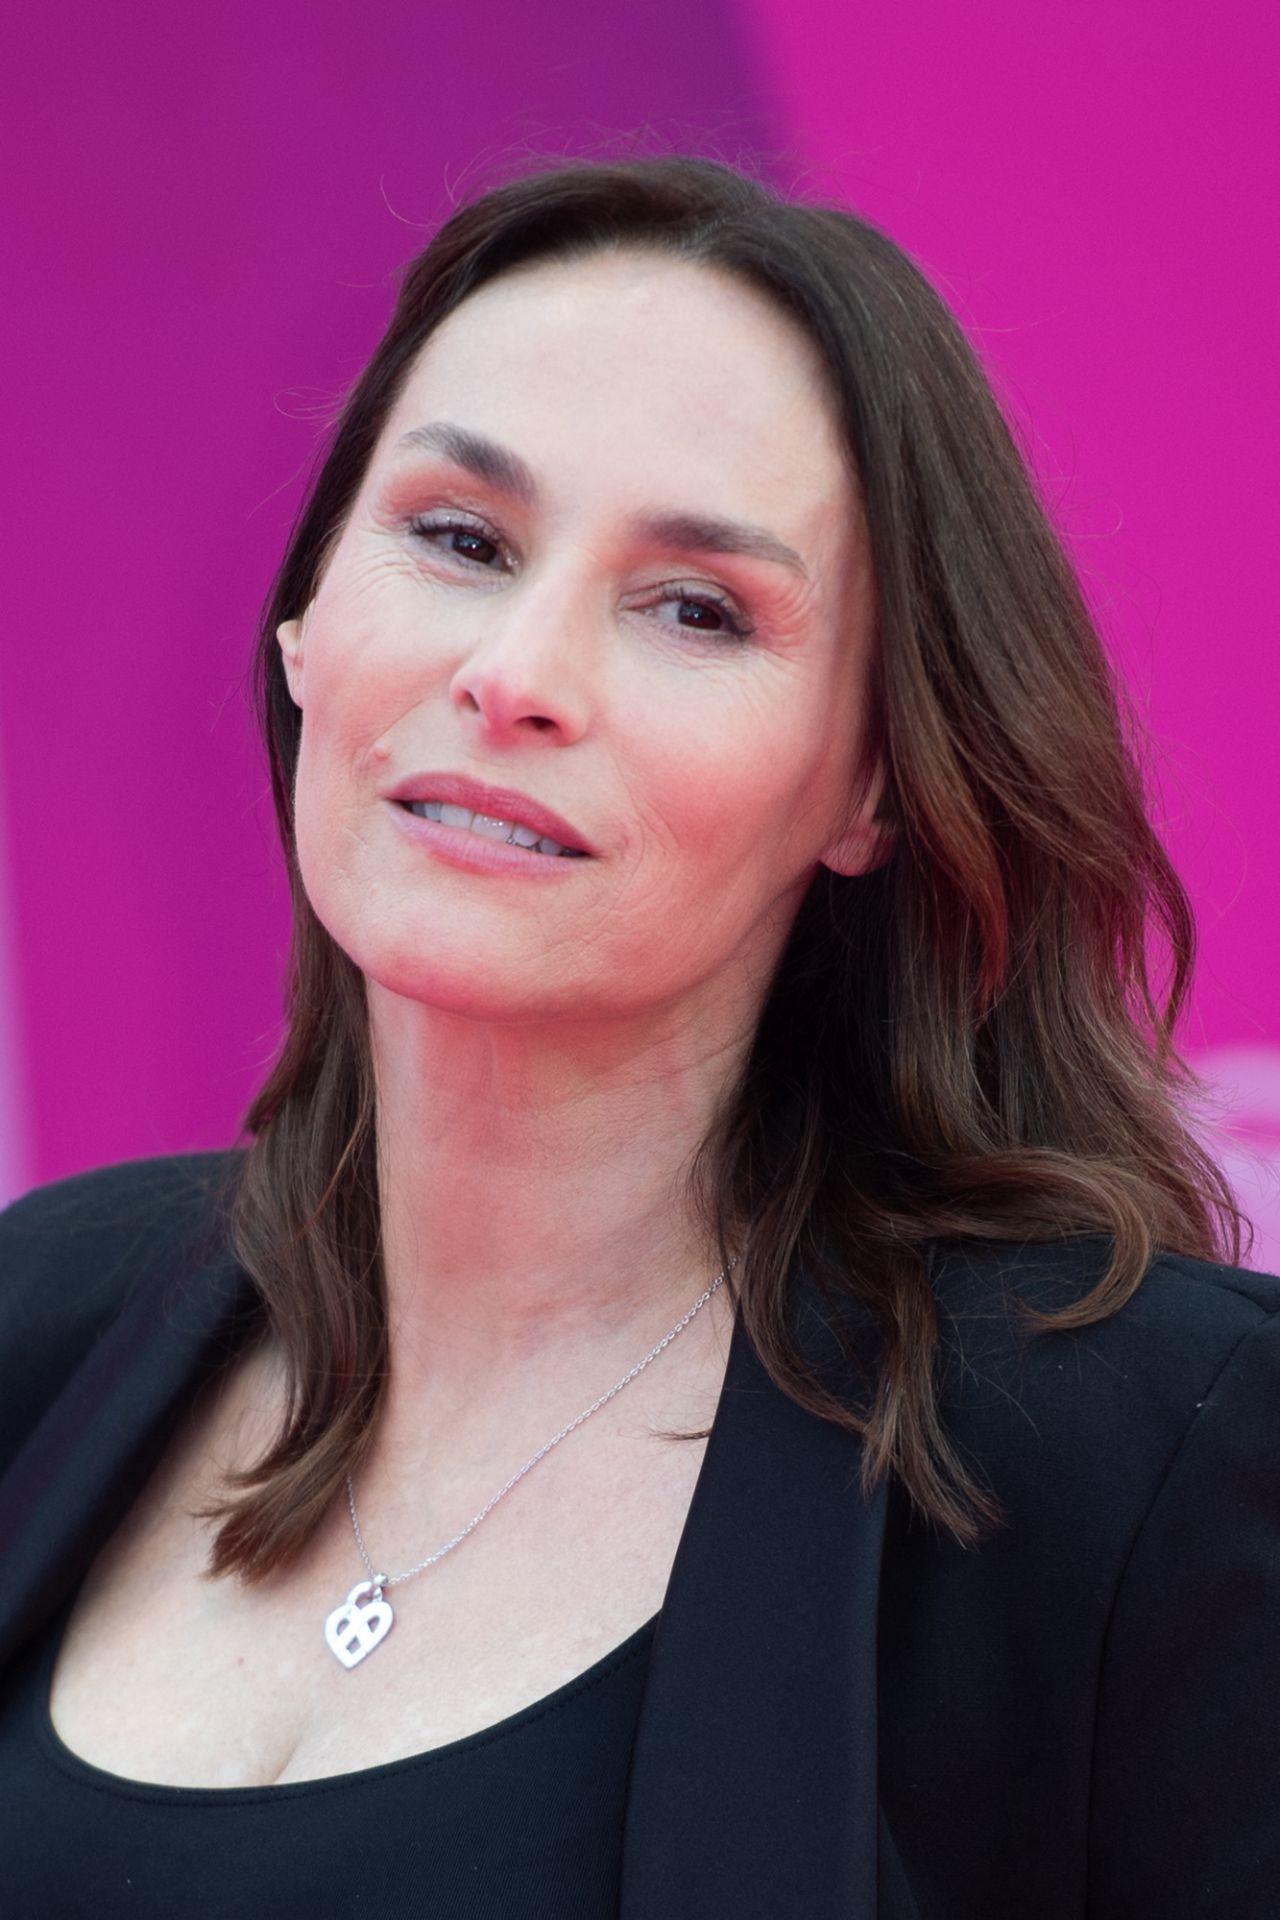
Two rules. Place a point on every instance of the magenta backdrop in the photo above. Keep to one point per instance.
(1095, 188)
(210, 206)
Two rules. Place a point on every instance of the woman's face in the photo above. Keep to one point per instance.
(522, 595)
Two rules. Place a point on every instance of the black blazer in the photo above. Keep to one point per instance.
(847, 1716)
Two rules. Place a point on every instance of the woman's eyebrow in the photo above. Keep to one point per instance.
(472, 451)
(504, 470)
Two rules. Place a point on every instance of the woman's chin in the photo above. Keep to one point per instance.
(464, 990)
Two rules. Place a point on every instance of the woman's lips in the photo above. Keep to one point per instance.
(489, 827)
(459, 846)
(498, 803)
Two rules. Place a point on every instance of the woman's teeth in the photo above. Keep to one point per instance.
(490, 828)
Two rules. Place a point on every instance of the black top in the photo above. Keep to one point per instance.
(521, 1821)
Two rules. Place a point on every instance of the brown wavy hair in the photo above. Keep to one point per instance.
(966, 1042)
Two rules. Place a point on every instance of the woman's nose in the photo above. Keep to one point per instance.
(529, 671)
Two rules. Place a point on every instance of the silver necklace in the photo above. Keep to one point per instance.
(365, 1617)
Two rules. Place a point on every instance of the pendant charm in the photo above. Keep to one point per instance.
(360, 1624)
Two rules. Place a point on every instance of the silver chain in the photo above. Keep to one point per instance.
(384, 1580)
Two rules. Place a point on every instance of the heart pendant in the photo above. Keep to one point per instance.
(360, 1624)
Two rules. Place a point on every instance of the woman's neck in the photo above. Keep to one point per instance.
(531, 1186)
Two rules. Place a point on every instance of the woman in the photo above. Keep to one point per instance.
(699, 1391)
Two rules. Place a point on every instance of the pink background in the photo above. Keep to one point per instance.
(209, 206)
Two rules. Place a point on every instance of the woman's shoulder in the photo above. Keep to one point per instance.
(1123, 1619)
(117, 1210)
(1182, 1320)
(1096, 1416)
(73, 1251)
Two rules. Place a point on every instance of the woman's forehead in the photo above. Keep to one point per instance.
(640, 362)
(675, 330)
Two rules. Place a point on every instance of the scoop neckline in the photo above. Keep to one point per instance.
(69, 1762)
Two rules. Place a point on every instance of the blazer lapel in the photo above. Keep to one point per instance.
(81, 1467)
(753, 1784)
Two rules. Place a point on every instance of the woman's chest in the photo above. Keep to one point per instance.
(167, 1676)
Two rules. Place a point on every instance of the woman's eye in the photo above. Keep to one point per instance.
(465, 541)
(712, 616)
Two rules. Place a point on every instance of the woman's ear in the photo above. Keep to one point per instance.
(868, 839)
(289, 635)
